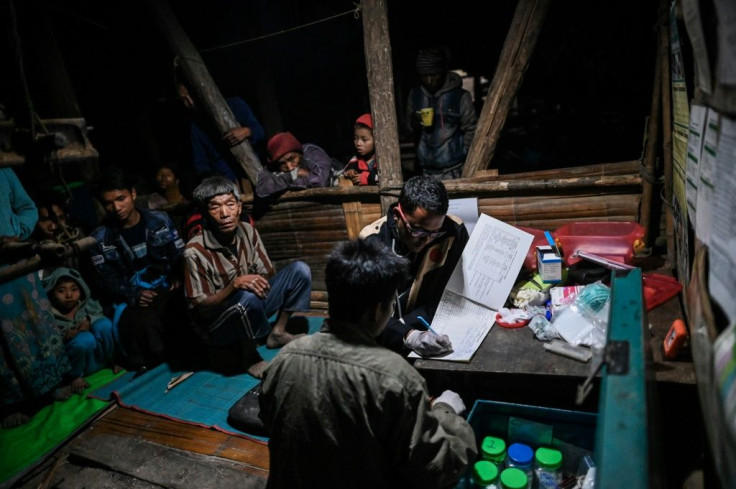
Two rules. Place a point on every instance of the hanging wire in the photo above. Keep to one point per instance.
(355, 12)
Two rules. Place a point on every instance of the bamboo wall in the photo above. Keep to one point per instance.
(306, 225)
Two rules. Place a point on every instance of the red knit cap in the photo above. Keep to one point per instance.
(282, 143)
(366, 120)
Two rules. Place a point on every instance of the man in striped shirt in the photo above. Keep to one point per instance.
(231, 284)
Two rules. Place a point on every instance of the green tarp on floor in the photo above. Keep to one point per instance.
(23, 446)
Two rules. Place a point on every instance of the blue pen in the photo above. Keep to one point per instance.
(552, 243)
(424, 322)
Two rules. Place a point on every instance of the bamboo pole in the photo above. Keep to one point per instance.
(377, 46)
(650, 150)
(513, 62)
(211, 101)
(664, 56)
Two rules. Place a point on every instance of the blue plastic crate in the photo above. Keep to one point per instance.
(571, 432)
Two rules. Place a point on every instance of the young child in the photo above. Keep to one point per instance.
(362, 169)
(89, 336)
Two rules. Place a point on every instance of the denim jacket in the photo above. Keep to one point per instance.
(113, 259)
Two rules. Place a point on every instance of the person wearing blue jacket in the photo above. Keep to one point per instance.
(443, 143)
(211, 151)
(137, 260)
(89, 336)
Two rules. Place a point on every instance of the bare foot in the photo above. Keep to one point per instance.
(276, 340)
(15, 419)
(78, 385)
(116, 369)
(257, 369)
(62, 393)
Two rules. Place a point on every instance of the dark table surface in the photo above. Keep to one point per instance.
(512, 365)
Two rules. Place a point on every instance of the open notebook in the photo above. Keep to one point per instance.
(479, 285)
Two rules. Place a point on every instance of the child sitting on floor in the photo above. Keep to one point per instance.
(90, 337)
(362, 169)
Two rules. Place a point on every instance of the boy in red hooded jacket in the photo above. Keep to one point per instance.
(362, 169)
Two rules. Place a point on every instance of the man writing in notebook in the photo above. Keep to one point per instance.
(418, 228)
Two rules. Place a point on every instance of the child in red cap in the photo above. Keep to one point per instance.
(362, 169)
(293, 166)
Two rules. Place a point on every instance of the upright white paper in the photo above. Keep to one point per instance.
(698, 114)
(465, 209)
(490, 262)
(706, 183)
(479, 285)
(722, 245)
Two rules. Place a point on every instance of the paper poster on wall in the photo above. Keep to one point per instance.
(698, 115)
(706, 182)
(722, 245)
(680, 114)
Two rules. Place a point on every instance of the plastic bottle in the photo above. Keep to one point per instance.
(548, 468)
(513, 478)
(485, 474)
(494, 450)
(521, 456)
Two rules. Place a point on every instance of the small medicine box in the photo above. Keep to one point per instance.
(549, 265)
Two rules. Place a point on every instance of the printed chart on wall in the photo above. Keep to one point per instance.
(479, 285)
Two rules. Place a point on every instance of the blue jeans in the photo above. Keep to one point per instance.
(244, 315)
(89, 351)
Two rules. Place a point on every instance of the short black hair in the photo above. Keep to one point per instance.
(426, 192)
(114, 178)
(361, 274)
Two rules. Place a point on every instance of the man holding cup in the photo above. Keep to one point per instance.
(441, 115)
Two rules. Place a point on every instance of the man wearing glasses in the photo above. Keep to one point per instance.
(419, 228)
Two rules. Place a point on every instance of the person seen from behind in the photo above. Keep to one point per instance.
(341, 410)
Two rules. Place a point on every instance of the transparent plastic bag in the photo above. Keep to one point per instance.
(585, 320)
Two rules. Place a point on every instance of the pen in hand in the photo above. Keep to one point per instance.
(429, 328)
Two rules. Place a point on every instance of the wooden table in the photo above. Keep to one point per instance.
(512, 365)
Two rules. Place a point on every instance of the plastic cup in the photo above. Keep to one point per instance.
(427, 116)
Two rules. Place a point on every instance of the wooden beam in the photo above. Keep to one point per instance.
(664, 57)
(201, 83)
(377, 46)
(512, 64)
(650, 150)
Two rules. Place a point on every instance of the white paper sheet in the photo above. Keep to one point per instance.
(465, 209)
(695, 138)
(491, 262)
(479, 285)
(722, 245)
(706, 184)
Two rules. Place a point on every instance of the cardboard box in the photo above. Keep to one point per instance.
(549, 265)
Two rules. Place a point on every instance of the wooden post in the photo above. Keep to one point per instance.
(201, 83)
(664, 56)
(512, 64)
(377, 46)
(650, 151)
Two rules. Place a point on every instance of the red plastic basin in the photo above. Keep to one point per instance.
(613, 240)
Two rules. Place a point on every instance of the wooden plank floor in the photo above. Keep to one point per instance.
(252, 454)
(177, 454)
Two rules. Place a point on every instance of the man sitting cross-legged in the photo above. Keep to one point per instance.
(230, 281)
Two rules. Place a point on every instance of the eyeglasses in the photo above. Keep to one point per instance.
(419, 232)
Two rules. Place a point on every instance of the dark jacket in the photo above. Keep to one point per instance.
(430, 268)
(446, 143)
(343, 411)
(315, 160)
(113, 259)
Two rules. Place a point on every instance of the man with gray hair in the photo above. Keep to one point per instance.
(231, 284)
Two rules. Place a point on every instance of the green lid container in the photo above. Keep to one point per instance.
(493, 449)
(548, 458)
(485, 472)
(513, 478)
